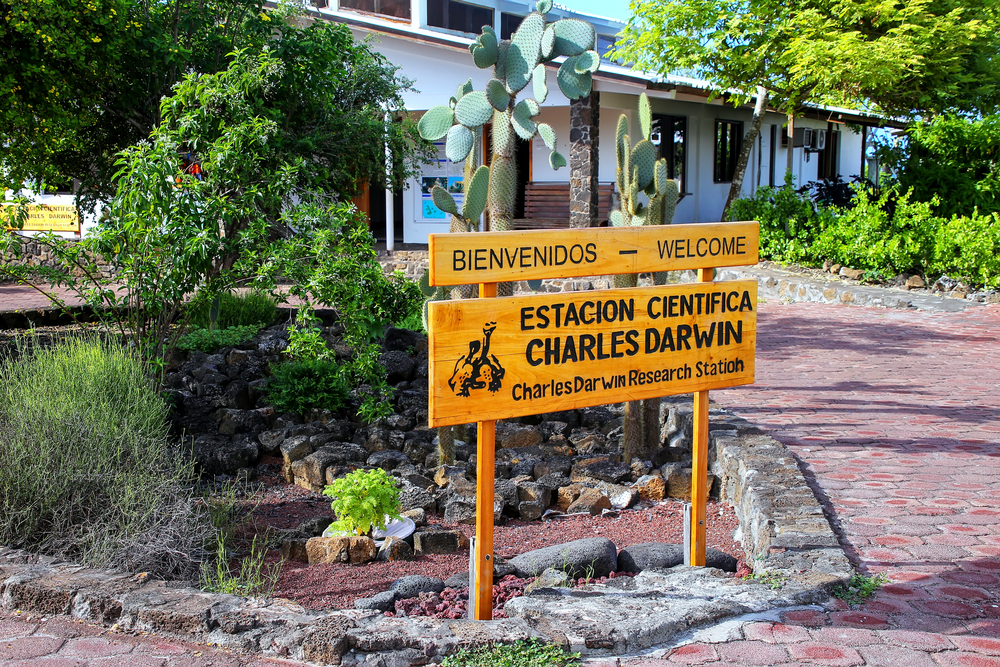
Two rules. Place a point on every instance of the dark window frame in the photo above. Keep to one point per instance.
(440, 15)
(508, 24)
(675, 152)
(727, 141)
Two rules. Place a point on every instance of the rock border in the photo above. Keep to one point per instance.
(795, 556)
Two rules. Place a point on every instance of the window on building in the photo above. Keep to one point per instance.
(670, 134)
(399, 9)
(728, 141)
(508, 24)
(604, 44)
(458, 16)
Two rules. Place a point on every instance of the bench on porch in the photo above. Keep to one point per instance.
(546, 206)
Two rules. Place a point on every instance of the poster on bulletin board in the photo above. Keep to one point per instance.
(449, 175)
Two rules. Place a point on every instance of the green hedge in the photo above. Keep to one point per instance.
(888, 234)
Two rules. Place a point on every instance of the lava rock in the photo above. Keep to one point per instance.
(418, 516)
(530, 511)
(556, 465)
(679, 483)
(657, 555)
(414, 585)
(270, 441)
(340, 550)
(590, 500)
(525, 437)
(400, 340)
(651, 487)
(222, 455)
(603, 469)
(294, 548)
(384, 601)
(550, 578)
(388, 459)
(394, 549)
(295, 448)
(413, 497)
(233, 421)
(534, 492)
(460, 510)
(398, 366)
(315, 526)
(575, 558)
(439, 542)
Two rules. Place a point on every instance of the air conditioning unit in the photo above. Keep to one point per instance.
(819, 140)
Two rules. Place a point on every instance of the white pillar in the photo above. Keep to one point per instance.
(418, 13)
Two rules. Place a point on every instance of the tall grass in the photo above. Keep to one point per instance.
(236, 310)
(87, 470)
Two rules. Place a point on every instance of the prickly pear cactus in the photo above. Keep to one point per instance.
(516, 63)
(640, 171)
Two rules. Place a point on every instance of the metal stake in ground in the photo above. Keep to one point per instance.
(699, 463)
(485, 472)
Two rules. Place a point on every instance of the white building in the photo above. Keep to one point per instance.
(429, 40)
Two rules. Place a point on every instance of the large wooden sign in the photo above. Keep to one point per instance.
(51, 218)
(460, 259)
(501, 358)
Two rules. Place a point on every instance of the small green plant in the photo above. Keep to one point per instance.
(208, 340)
(252, 578)
(362, 500)
(530, 653)
(234, 310)
(859, 588)
(773, 580)
(305, 338)
(300, 386)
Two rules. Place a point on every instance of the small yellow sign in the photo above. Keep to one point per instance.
(50, 218)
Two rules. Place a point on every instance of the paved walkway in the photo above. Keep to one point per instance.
(895, 416)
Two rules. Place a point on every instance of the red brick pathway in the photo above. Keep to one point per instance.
(896, 416)
(34, 641)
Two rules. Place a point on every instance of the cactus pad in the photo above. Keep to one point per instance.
(436, 122)
(556, 160)
(573, 37)
(573, 84)
(463, 90)
(549, 43)
(475, 194)
(500, 71)
(538, 84)
(643, 159)
(443, 200)
(543, 6)
(617, 219)
(474, 109)
(525, 51)
(484, 52)
(548, 135)
(460, 142)
(521, 119)
(588, 61)
(503, 185)
(425, 284)
(645, 117)
(660, 179)
(497, 94)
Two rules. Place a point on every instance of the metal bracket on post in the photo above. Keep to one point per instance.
(687, 533)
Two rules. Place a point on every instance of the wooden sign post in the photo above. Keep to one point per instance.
(494, 358)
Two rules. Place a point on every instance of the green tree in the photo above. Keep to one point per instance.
(911, 57)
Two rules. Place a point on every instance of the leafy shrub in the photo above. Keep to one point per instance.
(530, 653)
(235, 310)
(88, 474)
(776, 209)
(206, 340)
(969, 248)
(362, 501)
(955, 159)
(305, 339)
(300, 386)
(875, 235)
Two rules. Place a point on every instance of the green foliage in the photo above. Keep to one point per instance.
(873, 235)
(905, 58)
(305, 339)
(89, 472)
(529, 653)
(211, 340)
(953, 159)
(251, 578)
(81, 80)
(300, 386)
(969, 248)
(789, 222)
(363, 500)
(859, 588)
(234, 310)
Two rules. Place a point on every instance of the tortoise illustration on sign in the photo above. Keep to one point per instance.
(478, 372)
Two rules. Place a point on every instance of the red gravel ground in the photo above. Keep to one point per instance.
(338, 585)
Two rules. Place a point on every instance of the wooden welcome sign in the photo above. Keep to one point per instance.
(492, 359)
